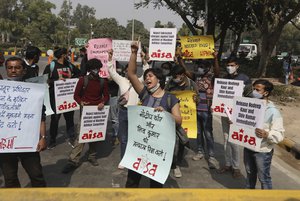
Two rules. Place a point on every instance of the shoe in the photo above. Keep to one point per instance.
(224, 169)
(71, 142)
(69, 168)
(198, 156)
(120, 167)
(51, 145)
(177, 172)
(236, 173)
(213, 163)
(93, 162)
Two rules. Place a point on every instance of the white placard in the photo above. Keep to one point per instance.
(93, 124)
(43, 80)
(64, 95)
(20, 115)
(162, 44)
(151, 140)
(224, 92)
(122, 50)
(248, 114)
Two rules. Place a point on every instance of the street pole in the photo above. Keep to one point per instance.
(132, 30)
(91, 31)
(206, 15)
(69, 19)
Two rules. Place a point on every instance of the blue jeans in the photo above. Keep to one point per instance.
(123, 129)
(205, 132)
(258, 164)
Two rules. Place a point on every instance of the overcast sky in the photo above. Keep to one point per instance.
(123, 11)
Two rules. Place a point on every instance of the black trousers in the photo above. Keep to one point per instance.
(31, 162)
(133, 181)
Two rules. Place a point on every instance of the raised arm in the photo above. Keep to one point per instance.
(132, 68)
(216, 67)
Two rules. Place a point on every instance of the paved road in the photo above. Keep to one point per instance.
(196, 174)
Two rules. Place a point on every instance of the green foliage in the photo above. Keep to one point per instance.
(285, 93)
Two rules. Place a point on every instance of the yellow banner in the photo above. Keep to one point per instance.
(188, 112)
(197, 47)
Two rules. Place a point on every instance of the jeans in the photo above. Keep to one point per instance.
(258, 164)
(205, 133)
(123, 129)
(30, 161)
(232, 152)
(133, 180)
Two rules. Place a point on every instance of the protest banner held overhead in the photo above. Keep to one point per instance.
(64, 95)
(122, 50)
(224, 92)
(43, 80)
(98, 48)
(188, 112)
(197, 47)
(248, 114)
(93, 124)
(20, 115)
(151, 140)
(162, 44)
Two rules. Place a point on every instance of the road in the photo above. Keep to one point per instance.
(196, 174)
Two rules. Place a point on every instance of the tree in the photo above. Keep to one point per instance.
(83, 17)
(139, 32)
(270, 18)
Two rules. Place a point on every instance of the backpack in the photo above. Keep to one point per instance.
(52, 66)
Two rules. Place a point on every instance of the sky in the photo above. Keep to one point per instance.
(123, 10)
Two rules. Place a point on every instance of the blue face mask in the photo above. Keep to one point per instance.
(257, 95)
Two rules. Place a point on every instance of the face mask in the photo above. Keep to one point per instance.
(201, 71)
(15, 78)
(165, 72)
(231, 69)
(95, 71)
(257, 95)
(177, 81)
(154, 89)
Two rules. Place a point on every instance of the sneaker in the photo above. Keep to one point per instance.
(177, 172)
(93, 162)
(70, 142)
(51, 145)
(213, 163)
(198, 156)
(69, 167)
(224, 169)
(236, 173)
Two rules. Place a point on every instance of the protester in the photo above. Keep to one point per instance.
(32, 57)
(286, 64)
(179, 82)
(31, 161)
(60, 69)
(152, 94)
(90, 90)
(166, 70)
(258, 164)
(84, 59)
(128, 97)
(232, 158)
(2, 58)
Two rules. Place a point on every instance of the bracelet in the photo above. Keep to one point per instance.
(43, 137)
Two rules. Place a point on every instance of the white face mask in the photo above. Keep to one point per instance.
(257, 95)
(231, 69)
(154, 89)
(95, 71)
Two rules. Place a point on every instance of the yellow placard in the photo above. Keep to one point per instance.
(188, 112)
(197, 47)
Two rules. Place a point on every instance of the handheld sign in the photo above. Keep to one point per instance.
(64, 95)
(20, 115)
(122, 50)
(162, 44)
(151, 140)
(93, 124)
(248, 114)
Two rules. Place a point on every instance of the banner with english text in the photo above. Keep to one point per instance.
(122, 50)
(151, 140)
(197, 47)
(188, 112)
(64, 95)
(93, 124)
(98, 48)
(162, 44)
(248, 114)
(21, 106)
(224, 92)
